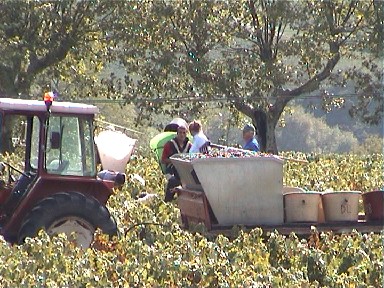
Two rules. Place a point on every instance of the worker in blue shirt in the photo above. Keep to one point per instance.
(250, 142)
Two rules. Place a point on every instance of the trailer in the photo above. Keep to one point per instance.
(225, 191)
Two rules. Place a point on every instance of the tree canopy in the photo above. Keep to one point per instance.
(47, 43)
(253, 56)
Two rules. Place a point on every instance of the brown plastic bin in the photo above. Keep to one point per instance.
(374, 205)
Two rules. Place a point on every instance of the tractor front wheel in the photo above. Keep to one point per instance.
(70, 213)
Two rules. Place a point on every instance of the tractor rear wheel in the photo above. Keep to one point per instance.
(71, 213)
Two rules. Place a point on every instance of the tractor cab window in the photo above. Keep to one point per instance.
(17, 145)
(13, 133)
(35, 142)
(69, 147)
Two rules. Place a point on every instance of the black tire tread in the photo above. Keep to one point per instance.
(66, 204)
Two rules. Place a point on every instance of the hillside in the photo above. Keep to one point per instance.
(340, 117)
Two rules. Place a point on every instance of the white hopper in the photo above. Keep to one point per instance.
(115, 149)
(243, 190)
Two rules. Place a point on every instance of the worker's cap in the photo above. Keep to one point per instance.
(179, 122)
(248, 127)
(182, 127)
(175, 124)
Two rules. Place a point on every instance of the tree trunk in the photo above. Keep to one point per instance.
(271, 146)
(265, 125)
(259, 120)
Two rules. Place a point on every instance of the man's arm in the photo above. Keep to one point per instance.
(167, 152)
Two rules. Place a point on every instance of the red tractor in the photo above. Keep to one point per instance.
(56, 186)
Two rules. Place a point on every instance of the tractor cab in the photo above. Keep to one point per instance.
(49, 163)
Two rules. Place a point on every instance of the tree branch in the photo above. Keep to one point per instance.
(313, 83)
(244, 108)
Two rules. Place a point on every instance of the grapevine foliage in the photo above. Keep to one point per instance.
(153, 250)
